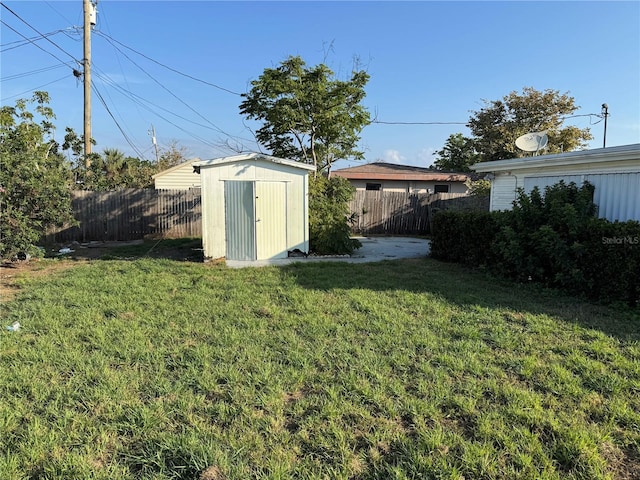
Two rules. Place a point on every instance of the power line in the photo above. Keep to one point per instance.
(133, 97)
(126, 137)
(38, 32)
(418, 123)
(35, 88)
(173, 94)
(32, 72)
(110, 39)
(21, 43)
(36, 45)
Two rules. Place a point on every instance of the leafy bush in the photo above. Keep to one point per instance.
(554, 239)
(464, 236)
(329, 216)
(35, 179)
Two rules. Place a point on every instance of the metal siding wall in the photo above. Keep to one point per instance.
(271, 220)
(240, 223)
(503, 192)
(616, 194)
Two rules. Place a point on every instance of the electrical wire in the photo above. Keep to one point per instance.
(137, 99)
(126, 137)
(133, 97)
(35, 44)
(20, 43)
(418, 123)
(32, 72)
(38, 32)
(35, 88)
(61, 16)
(110, 39)
(171, 93)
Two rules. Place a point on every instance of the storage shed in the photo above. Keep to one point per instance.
(613, 171)
(178, 177)
(254, 207)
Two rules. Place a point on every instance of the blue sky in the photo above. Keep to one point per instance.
(428, 61)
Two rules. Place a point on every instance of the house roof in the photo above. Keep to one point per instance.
(175, 167)
(390, 171)
(255, 157)
(625, 153)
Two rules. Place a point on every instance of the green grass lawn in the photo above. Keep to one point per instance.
(158, 369)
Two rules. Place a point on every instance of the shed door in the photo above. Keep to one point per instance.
(239, 220)
(271, 220)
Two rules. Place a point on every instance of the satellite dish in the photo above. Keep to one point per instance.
(532, 142)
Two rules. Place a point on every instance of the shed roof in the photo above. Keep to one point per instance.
(253, 156)
(597, 155)
(175, 167)
(390, 171)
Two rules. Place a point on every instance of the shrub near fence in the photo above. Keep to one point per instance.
(553, 240)
(130, 214)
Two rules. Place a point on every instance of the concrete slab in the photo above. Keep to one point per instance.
(374, 249)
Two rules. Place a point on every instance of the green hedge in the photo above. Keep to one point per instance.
(554, 239)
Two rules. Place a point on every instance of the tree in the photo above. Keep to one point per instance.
(35, 179)
(307, 114)
(113, 170)
(458, 153)
(329, 231)
(173, 155)
(496, 126)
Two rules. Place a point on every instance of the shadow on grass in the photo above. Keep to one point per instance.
(179, 249)
(467, 288)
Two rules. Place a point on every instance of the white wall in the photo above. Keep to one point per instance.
(410, 186)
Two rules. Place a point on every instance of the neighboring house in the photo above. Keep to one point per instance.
(613, 171)
(389, 177)
(254, 207)
(178, 177)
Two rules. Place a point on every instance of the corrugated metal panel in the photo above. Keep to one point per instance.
(503, 192)
(240, 224)
(616, 194)
(271, 220)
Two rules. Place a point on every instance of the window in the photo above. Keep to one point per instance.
(374, 186)
(441, 189)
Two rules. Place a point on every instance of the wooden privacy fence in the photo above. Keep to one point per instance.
(130, 214)
(404, 213)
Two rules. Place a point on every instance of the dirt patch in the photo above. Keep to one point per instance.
(12, 272)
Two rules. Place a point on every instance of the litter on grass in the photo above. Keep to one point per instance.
(14, 327)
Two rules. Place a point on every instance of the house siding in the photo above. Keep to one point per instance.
(503, 194)
(614, 172)
(181, 177)
(617, 195)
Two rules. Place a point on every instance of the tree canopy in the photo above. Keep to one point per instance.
(496, 126)
(35, 178)
(307, 114)
(458, 153)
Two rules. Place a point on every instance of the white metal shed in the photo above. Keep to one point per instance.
(254, 207)
(613, 171)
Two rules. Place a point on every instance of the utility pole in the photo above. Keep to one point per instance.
(152, 132)
(605, 114)
(89, 10)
